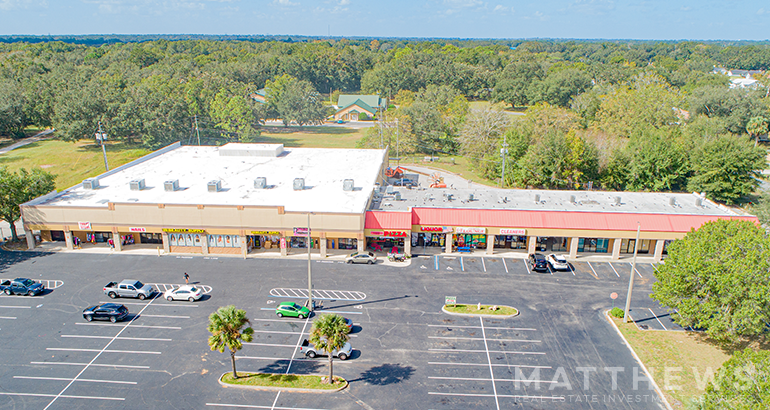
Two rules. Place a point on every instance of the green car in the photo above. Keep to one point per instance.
(292, 309)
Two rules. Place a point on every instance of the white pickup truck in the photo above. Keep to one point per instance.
(129, 289)
(309, 350)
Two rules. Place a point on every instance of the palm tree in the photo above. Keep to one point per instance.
(329, 333)
(756, 127)
(226, 327)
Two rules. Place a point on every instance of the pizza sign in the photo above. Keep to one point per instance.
(395, 234)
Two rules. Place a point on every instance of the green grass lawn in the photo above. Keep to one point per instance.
(311, 136)
(690, 351)
(71, 162)
(485, 310)
(282, 380)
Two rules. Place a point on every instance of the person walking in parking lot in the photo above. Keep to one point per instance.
(186, 278)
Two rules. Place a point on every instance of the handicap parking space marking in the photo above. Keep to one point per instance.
(163, 287)
(49, 283)
(318, 294)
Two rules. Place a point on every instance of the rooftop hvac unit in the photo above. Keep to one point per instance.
(347, 185)
(470, 197)
(172, 185)
(572, 198)
(91, 183)
(260, 183)
(389, 189)
(698, 201)
(299, 184)
(215, 185)
(397, 195)
(672, 201)
(537, 198)
(136, 184)
(617, 201)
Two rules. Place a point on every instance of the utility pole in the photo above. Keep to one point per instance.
(196, 129)
(503, 153)
(309, 275)
(398, 154)
(101, 136)
(631, 279)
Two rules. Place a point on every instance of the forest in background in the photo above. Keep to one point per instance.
(616, 115)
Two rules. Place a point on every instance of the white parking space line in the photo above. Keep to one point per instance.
(167, 316)
(339, 311)
(506, 396)
(7, 317)
(67, 349)
(481, 379)
(505, 265)
(482, 351)
(592, 270)
(495, 365)
(284, 320)
(276, 400)
(613, 269)
(634, 268)
(656, 318)
(133, 326)
(140, 339)
(155, 304)
(254, 406)
(118, 366)
(479, 338)
(261, 358)
(489, 360)
(526, 265)
(15, 307)
(63, 396)
(266, 344)
(278, 332)
(79, 380)
(486, 327)
(484, 265)
(462, 264)
(436, 262)
(299, 341)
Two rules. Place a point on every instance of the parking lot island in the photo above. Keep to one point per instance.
(300, 383)
(496, 311)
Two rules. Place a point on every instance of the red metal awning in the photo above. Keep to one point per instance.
(388, 220)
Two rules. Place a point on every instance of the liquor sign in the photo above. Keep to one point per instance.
(440, 229)
(84, 226)
(472, 230)
(265, 233)
(137, 230)
(183, 230)
(509, 231)
(301, 231)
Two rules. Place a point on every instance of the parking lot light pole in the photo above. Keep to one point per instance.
(309, 275)
(101, 136)
(631, 279)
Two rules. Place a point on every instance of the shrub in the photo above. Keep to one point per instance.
(617, 312)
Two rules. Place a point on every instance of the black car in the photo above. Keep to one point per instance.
(108, 311)
(537, 262)
(404, 182)
(22, 286)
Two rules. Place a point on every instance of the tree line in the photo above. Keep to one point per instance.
(615, 115)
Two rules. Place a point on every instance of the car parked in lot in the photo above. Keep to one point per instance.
(557, 262)
(537, 262)
(309, 350)
(362, 257)
(185, 292)
(22, 286)
(292, 309)
(108, 311)
(129, 289)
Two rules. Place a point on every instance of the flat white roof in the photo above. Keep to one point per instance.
(194, 166)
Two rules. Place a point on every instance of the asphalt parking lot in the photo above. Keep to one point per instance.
(559, 353)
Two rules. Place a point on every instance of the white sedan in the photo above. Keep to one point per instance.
(557, 262)
(184, 292)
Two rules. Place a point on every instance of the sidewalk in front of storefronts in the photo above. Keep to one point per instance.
(332, 255)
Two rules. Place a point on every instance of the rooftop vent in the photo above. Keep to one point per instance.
(171, 185)
(470, 197)
(572, 199)
(397, 196)
(260, 183)
(136, 184)
(347, 185)
(617, 201)
(537, 198)
(672, 201)
(91, 183)
(215, 185)
(299, 184)
(389, 189)
(698, 201)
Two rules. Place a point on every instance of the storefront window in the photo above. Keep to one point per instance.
(381, 244)
(510, 241)
(429, 239)
(627, 246)
(347, 243)
(98, 237)
(559, 244)
(301, 242)
(262, 241)
(598, 245)
(150, 238)
(665, 246)
(470, 240)
(223, 241)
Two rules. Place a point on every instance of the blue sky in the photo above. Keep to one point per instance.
(646, 19)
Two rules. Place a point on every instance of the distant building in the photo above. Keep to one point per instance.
(349, 107)
(259, 96)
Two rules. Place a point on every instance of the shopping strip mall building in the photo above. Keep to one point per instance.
(245, 198)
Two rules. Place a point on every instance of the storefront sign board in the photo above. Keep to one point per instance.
(390, 234)
(301, 231)
(265, 233)
(471, 230)
(283, 243)
(134, 229)
(440, 229)
(510, 231)
(450, 300)
(84, 226)
(183, 230)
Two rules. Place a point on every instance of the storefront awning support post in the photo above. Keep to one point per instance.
(309, 275)
(626, 318)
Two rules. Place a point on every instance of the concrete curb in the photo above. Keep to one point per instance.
(443, 309)
(271, 388)
(636, 357)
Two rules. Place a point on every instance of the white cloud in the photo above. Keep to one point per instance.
(761, 11)
(285, 3)
(20, 4)
(500, 9)
(686, 8)
(344, 2)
